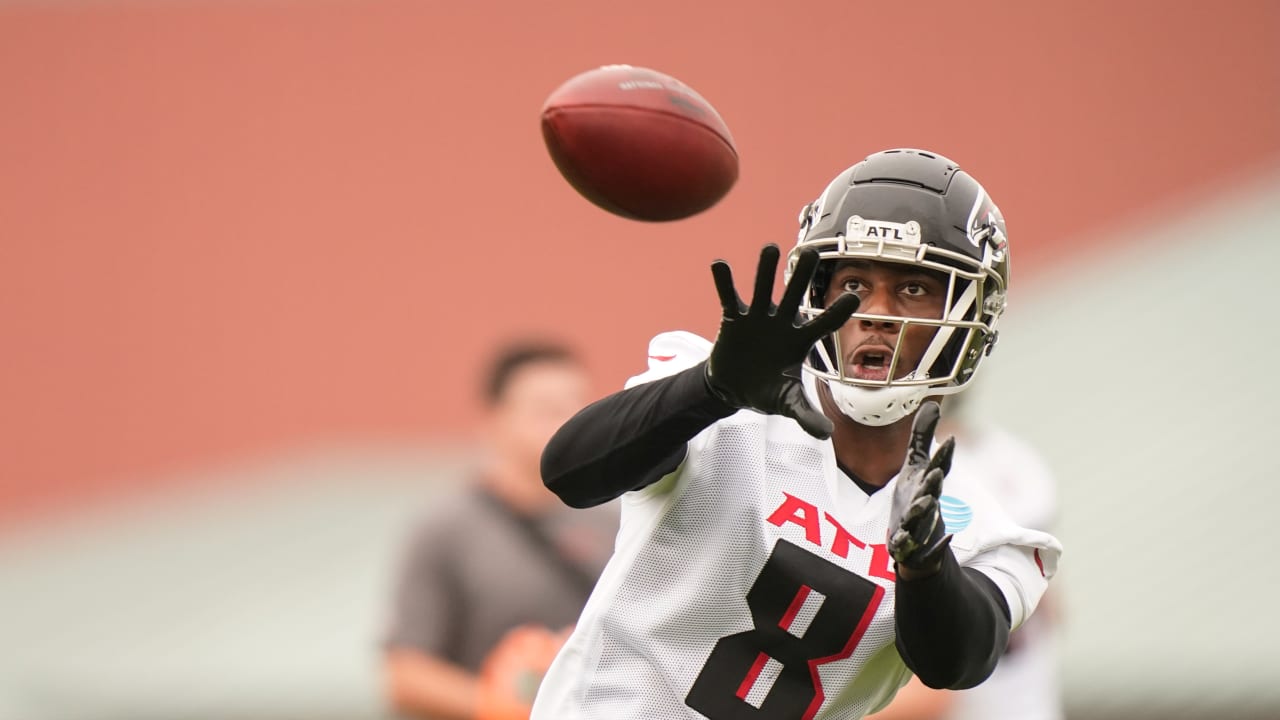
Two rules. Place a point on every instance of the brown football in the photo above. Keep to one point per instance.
(639, 143)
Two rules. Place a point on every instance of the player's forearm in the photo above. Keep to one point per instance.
(630, 439)
(419, 685)
(952, 626)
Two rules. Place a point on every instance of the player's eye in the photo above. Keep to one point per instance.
(915, 289)
(853, 285)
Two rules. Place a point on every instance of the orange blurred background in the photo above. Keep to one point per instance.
(234, 227)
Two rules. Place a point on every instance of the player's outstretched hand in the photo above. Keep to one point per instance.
(758, 345)
(917, 535)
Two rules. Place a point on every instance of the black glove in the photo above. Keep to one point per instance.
(917, 535)
(759, 348)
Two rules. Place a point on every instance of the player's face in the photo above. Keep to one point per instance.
(886, 288)
(538, 399)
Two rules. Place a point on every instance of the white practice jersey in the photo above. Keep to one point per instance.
(754, 581)
(1025, 684)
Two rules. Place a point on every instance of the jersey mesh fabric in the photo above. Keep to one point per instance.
(686, 584)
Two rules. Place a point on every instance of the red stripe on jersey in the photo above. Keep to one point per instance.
(1039, 562)
(854, 639)
(794, 609)
(752, 674)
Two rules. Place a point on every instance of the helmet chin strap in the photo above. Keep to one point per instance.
(875, 407)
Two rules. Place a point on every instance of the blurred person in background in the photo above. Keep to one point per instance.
(499, 569)
(1024, 685)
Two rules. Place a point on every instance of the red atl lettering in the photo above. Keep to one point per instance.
(795, 510)
(840, 546)
(880, 563)
(805, 514)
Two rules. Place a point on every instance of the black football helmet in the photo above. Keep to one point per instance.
(918, 208)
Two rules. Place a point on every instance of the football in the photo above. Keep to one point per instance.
(639, 143)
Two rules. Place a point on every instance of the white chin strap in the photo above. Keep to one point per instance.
(869, 406)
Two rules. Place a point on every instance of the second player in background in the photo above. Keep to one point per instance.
(1025, 684)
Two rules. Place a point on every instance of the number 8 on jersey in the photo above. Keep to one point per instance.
(807, 611)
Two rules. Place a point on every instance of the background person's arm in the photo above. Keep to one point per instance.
(423, 686)
(915, 701)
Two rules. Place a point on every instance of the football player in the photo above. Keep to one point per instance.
(782, 553)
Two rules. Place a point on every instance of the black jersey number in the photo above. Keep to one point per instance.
(771, 671)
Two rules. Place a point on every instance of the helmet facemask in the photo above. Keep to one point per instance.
(965, 329)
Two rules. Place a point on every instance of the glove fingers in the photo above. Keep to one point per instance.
(922, 433)
(932, 486)
(796, 406)
(729, 301)
(942, 458)
(762, 300)
(919, 514)
(800, 278)
(832, 318)
(901, 545)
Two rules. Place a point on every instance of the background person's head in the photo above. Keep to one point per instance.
(531, 389)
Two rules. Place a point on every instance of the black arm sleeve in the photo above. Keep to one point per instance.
(952, 626)
(629, 439)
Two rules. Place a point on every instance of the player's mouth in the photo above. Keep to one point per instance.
(871, 362)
